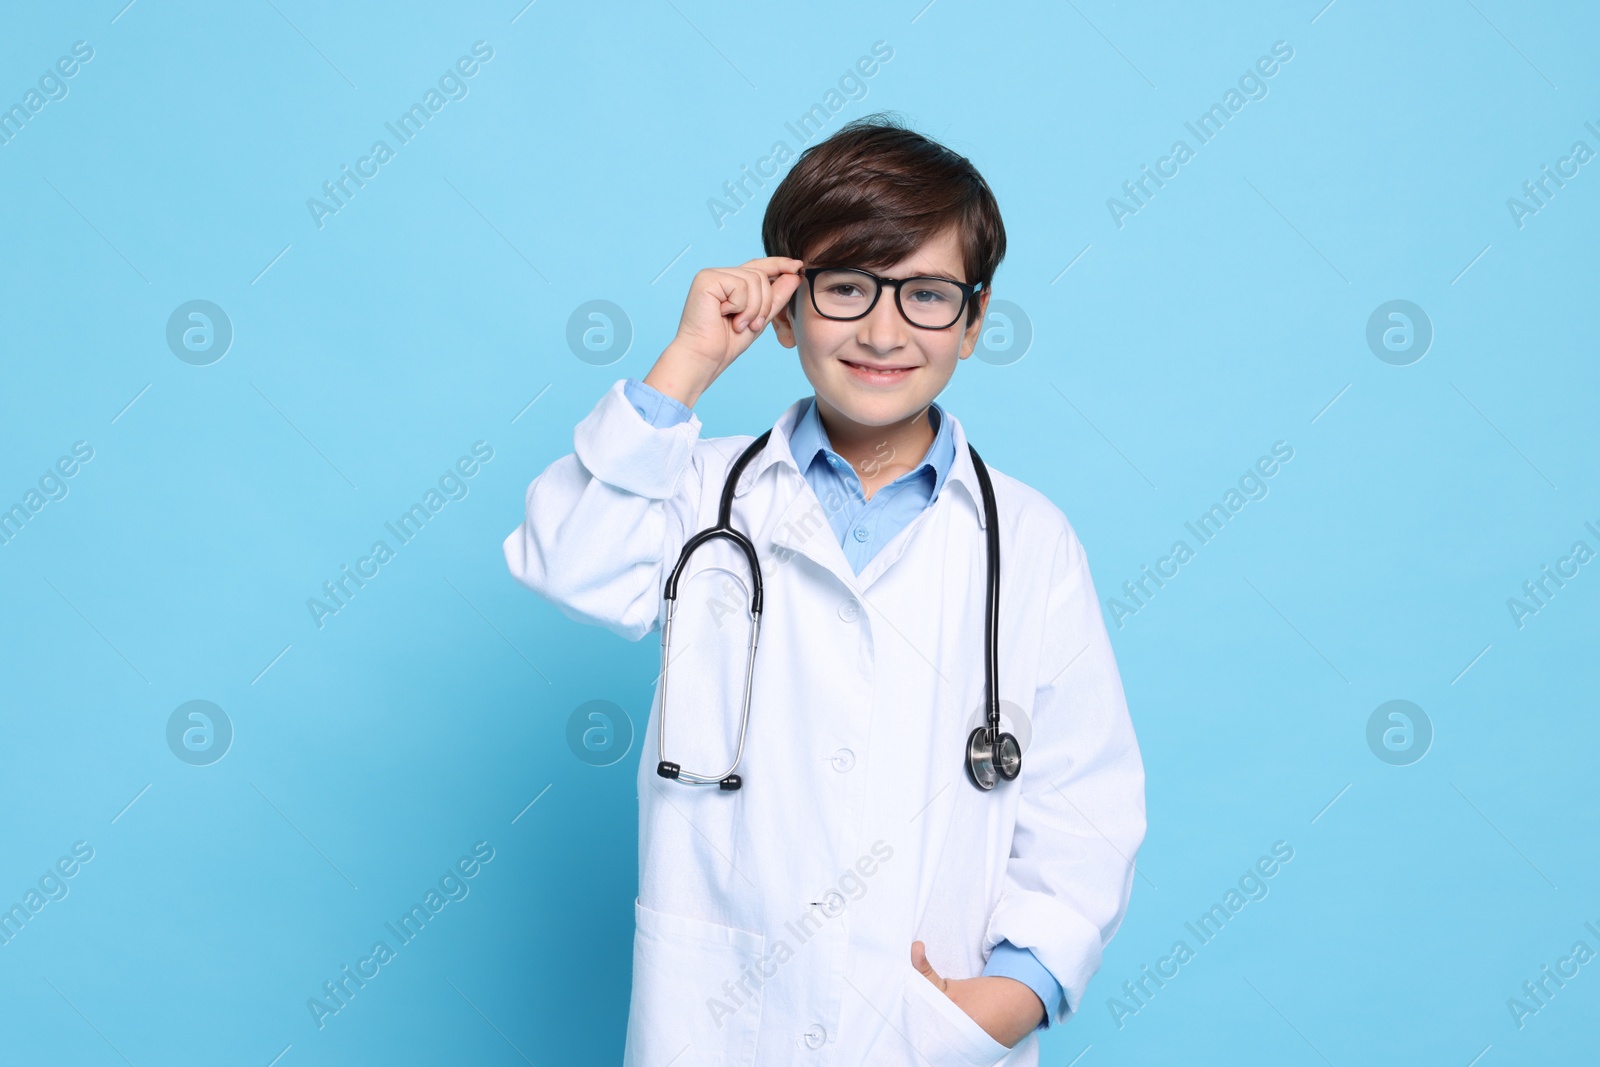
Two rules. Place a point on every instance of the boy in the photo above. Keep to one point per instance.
(857, 900)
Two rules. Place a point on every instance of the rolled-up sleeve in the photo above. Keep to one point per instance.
(1081, 812)
(1021, 965)
(654, 406)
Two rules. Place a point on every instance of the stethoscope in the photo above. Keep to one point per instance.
(991, 753)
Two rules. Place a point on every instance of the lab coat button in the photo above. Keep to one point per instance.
(862, 533)
(850, 611)
(815, 1036)
(843, 760)
(832, 904)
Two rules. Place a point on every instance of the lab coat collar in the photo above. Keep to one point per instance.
(777, 452)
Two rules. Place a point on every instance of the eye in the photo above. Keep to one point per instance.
(928, 296)
(843, 289)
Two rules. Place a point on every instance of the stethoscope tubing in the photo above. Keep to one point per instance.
(724, 530)
(692, 777)
(991, 647)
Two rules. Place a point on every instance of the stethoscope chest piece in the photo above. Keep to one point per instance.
(992, 756)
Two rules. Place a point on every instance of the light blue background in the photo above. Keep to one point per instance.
(428, 313)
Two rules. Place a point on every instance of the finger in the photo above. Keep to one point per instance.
(754, 282)
(734, 288)
(772, 266)
(778, 295)
(764, 311)
(784, 288)
(727, 286)
(919, 960)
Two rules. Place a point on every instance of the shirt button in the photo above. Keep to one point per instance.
(832, 904)
(843, 760)
(815, 1036)
(862, 533)
(850, 611)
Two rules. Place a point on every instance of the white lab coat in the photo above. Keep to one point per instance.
(774, 924)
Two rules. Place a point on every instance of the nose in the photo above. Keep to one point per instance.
(884, 329)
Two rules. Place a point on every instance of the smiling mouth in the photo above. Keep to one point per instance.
(882, 372)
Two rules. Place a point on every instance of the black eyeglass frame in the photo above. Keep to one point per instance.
(968, 291)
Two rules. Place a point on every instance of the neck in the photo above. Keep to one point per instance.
(879, 454)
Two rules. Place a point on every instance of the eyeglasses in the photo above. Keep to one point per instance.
(845, 293)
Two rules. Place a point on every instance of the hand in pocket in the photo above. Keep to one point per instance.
(1004, 1008)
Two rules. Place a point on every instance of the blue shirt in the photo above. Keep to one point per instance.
(863, 528)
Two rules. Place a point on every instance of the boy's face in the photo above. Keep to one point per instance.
(831, 352)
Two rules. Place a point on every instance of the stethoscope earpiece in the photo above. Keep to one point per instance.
(668, 769)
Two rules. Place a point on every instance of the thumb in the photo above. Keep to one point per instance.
(785, 287)
(919, 960)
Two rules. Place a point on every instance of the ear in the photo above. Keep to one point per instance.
(969, 336)
(783, 321)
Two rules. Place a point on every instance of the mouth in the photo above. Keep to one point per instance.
(877, 375)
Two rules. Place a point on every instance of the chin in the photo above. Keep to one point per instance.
(869, 403)
(874, 408)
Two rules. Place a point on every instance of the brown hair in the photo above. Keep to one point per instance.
(875, 192)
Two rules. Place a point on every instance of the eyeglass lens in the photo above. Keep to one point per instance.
(846, 294)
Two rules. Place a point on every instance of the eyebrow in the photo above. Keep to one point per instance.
(925, 274)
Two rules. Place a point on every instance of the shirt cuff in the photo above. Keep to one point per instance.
(1009, 961)
(654, 406)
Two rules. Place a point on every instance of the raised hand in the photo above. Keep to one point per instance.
(727, 309)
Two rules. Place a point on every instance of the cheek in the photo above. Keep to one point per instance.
(943, 351)
(819, 338)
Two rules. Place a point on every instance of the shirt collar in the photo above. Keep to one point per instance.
(809, 444)
(777, 452)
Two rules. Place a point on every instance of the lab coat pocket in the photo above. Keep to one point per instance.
(945, 1035)
(941, 1032)
(680, 1013)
